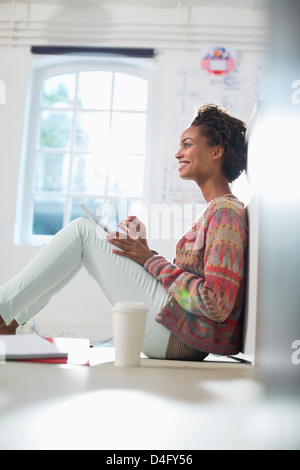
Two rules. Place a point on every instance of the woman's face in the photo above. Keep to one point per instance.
(196, 159)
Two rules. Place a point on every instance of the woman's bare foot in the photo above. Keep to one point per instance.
(8, 329)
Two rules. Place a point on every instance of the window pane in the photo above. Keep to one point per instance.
(129, 129)
(130, 93)
(127, 177)
(51, 172)
(94, 90)
(48, 215)
(91, 130)
(55, 129)
(89, 174)
(59, 91)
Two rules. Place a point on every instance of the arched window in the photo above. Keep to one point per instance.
(84, 140)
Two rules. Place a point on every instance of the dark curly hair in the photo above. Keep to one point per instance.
(222, 129)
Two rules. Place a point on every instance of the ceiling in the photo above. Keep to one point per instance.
(159, 3)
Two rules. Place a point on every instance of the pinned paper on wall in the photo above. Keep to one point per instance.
(2, 92)
(218, 60)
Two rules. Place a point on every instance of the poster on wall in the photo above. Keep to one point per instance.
(218, 60)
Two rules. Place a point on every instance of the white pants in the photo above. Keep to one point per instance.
(83, 243)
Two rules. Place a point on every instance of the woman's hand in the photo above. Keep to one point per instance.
(133, 227)
(132, 243)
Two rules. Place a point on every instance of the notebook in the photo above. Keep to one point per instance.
(31, 347)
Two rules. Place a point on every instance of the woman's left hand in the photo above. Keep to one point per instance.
(130, 247)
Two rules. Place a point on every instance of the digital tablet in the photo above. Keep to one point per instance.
(93, 217)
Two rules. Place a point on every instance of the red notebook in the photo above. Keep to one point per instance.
(34, 348)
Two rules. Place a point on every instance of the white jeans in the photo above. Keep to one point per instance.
(83, 243)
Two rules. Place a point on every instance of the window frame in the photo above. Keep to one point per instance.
(39, 70)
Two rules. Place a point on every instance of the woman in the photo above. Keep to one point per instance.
(195, 304)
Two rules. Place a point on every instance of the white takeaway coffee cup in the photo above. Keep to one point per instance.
(129, 321)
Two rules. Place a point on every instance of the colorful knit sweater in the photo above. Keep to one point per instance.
(206, 280)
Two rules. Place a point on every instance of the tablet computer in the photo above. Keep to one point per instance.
(93, 217)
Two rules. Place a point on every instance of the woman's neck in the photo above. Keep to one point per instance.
(212, 190)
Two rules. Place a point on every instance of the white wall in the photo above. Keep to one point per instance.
(179, 35)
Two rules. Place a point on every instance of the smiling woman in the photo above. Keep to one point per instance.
(194, 156)
(213, 151)
(195, 303)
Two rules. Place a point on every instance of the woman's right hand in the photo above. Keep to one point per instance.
(133, 227)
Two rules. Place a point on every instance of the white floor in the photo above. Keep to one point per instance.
(159, 405)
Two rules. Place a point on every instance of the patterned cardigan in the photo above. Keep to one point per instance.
(206, 281)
